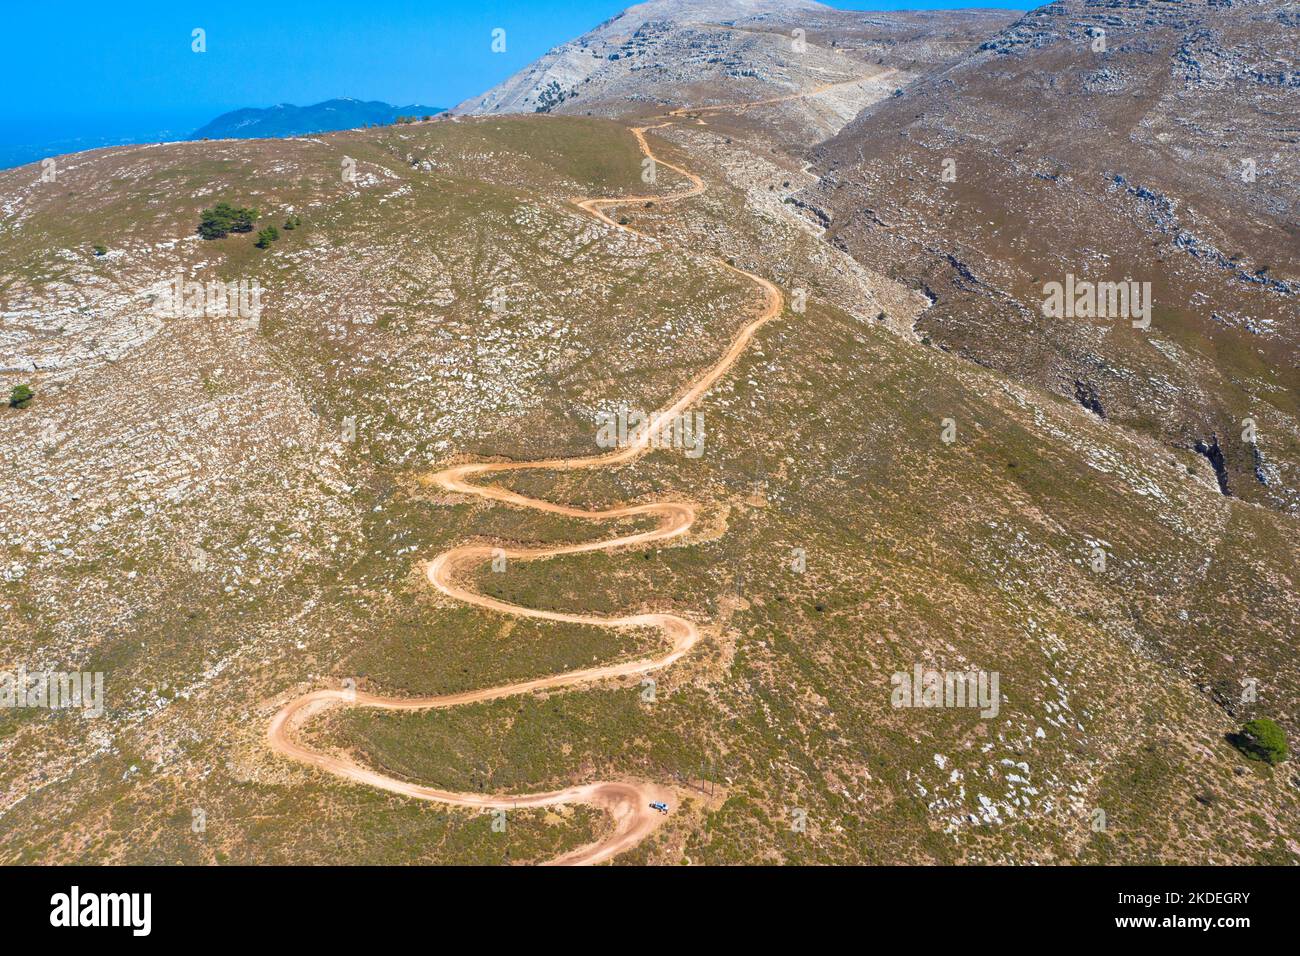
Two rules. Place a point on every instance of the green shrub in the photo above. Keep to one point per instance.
(1262, 739)
(293, 222)
(267, 236)
(223, 219)
(21, 396)
(100, 249)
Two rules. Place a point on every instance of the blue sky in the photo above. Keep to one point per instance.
(83, 71)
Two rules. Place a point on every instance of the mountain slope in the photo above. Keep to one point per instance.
(682, 52)
(1144, 141)
(223, 516)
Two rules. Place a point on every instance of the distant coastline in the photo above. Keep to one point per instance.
(42, 137)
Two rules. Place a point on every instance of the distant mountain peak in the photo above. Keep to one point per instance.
(286, 119)
(679, 51)
(717, 9)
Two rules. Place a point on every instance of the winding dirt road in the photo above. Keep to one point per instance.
(786, 98)
(626, 801)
